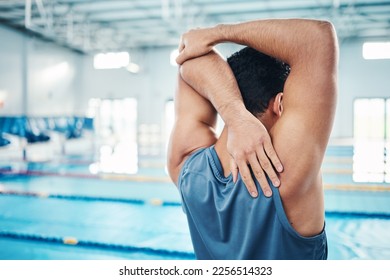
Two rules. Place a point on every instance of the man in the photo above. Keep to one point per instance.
(225, 221)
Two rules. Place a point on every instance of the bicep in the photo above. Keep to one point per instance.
(195, 120)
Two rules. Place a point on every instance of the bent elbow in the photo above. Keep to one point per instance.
(327, 40)
(195, 66)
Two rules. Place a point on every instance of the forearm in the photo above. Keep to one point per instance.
(213, 79)
(290, 40)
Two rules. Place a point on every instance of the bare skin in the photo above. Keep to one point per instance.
(299, 120)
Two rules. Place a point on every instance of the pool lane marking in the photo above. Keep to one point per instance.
(152, 201)
(159, 202)
(357, 187)
(73, 241)
(104, 176)
(135, 178)
(149, 179)
(131, 178)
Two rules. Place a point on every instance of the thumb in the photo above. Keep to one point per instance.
(181, 57)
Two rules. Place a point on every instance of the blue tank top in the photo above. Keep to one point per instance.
(225, 222)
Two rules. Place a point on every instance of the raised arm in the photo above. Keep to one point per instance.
(194, 127)
(301, 134)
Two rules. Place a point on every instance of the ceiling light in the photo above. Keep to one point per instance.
(111, 60)
(376, 50)
(133, 68)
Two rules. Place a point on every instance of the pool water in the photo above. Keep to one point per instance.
(354, 237)
(143, 219)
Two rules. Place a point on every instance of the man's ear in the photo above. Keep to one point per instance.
(278, 105)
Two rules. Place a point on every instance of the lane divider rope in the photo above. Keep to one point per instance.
(159, 202)
(72, 241)
(104, 176)
(153, 201)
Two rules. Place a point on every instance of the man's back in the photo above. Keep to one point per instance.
(226, 223)
(299, 126)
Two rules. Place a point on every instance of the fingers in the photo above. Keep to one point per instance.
(267, 167)
(261, 167)
(260, 176)
(181, 57)
(271, 154)
(246, 176)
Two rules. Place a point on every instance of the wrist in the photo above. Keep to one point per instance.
(221, 33)
(229, 32)
(233, 113)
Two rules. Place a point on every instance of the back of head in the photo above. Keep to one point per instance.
(259, 77)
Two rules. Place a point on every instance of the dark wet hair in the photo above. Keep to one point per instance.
(260, 77)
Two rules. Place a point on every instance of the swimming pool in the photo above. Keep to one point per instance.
(61, 211)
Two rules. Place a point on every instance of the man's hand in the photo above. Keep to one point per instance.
(195, 43)
(250, 144)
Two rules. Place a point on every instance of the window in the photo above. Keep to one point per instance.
(371, 162)
(169, 120)
(111, 60)
(387, 145)
(115, 123)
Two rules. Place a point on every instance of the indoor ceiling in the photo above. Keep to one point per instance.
(101, 25)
